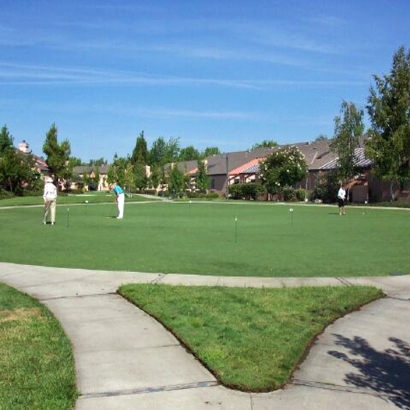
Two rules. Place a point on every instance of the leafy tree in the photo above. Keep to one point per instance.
(348, 128)
(17, 169)
(140, 152)
(163, 152)
(6, 140)
(58, 155)
(177, 181)
(321, 137)
(189, 154)
(283, 168)
(209, 151)
(129, 177)
(75, 162)
(97, 162)
(97, 177)
(264, 144)
(202, 181)
(140, 177)
(116, 171)
(389, 111)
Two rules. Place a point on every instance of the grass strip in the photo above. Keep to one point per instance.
(250, 339)
(36, 361)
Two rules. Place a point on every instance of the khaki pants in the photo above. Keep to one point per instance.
(50, 208)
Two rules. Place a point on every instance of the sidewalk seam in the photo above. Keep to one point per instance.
(145, 390)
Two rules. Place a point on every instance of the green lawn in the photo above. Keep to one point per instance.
(36, 361)
(251, 339)
(232, 239)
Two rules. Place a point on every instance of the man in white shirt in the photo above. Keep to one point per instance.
(50, 199)
(341, 198)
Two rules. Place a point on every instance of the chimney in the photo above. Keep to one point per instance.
(23, 147)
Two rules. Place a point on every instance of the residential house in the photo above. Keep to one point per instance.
(90, 172)
(40, 163)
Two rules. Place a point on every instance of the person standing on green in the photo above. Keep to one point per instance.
(119, 199)
(50, 200)
(341, 198)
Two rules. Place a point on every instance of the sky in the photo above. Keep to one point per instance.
(210, 73)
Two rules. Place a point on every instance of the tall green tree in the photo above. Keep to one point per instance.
(281, 169)
(140, 177)
(164, 152)
(202, 181)
(177, 181)
(140, 151)
(348, 128)
(117, 170)
(57, 155)
(6, 140)
(389, 111)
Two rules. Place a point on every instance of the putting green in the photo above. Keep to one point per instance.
(232, 239)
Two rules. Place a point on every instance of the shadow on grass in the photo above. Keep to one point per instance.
(386, 372)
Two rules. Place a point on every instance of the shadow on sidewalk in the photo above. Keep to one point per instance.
(386, 372)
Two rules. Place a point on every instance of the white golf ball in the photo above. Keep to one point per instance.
(86, 202)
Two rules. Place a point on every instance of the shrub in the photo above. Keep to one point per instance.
(301, 194)
(288, 194)
(246, 191)
(6, 194)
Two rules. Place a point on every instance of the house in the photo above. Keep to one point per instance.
(89, 173)
(243, 167)
(40, 164)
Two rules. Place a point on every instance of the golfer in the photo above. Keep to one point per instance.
(119, 199)
(50, 199)
(341, 198)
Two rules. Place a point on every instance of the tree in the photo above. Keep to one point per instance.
(202, 181)
(140, 177)
(264, 144)
(210, 151)
(17, 169)
(389, 111)
(189, 154)
(140, 152)
(348, 128)
(58, 155)
(163, 152)
(75, 162)
(321, 137)
(6, 140)
(283, 168)
(117, 170)
(97, 162)
(177, 181)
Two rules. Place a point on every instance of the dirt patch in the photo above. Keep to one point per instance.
(20, 314)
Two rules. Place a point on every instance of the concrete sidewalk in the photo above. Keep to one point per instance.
(126, 360)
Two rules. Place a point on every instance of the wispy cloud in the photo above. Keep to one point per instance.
(14, 74)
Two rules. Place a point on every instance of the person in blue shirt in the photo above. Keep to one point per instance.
(119, 199)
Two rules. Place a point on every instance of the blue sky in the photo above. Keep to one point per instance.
(211, 73)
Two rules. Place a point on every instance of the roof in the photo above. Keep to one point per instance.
(87, 169)
(360, 161)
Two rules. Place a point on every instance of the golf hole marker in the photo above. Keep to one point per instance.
(236, 229)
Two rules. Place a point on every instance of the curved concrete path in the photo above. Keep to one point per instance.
(126, 360)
